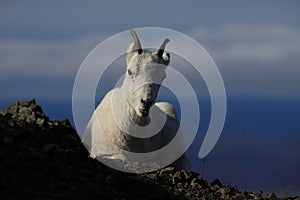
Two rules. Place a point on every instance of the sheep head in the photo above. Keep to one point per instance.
(145, 73)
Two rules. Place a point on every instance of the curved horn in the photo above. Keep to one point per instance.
(162, 47)
(137, 43)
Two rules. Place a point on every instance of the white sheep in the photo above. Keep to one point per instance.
(128, 123)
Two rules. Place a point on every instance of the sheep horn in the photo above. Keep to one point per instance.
(137, 43)
(162, 47)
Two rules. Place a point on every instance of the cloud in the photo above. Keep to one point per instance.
(53, 59)
(260, 44)
(42, 67)
(260, 60)
(256, 60)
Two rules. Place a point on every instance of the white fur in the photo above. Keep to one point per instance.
(119, 113)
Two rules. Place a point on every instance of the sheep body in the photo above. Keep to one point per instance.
(128, 123)
(107, 139)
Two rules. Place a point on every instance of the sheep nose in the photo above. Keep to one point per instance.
(147, 102)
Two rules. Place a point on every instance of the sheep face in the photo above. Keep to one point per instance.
(144, 75)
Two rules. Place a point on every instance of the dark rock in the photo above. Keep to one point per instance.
(272, 196)
(21, 114)
(216, 182)
(203, 182)
(45, 159)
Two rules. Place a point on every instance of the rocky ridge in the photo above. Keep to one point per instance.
(45, 159)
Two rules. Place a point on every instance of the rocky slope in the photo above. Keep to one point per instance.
(44, 159)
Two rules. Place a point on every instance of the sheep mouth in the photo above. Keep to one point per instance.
(144, 112)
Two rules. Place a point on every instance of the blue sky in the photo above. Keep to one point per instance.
(255, 45)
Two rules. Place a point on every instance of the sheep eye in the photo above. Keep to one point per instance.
(129, 72)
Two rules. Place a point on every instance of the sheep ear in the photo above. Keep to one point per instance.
(162, 47)
(166, 58)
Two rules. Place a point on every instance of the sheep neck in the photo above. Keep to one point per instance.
(125, 114)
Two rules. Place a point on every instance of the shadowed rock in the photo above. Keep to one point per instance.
(45, 159)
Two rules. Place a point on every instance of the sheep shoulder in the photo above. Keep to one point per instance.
(102, 133)
(170, 130)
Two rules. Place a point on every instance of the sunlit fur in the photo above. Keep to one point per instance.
(124, 108)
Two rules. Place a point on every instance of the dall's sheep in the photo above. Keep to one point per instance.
(128, 125)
